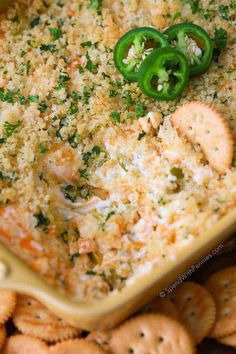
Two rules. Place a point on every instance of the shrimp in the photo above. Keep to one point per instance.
(63, 164)
(15, 230)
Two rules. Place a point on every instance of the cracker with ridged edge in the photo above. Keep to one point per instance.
(22, 344)
(7, 304)
(152, 333)
(32, 318)
(197, 309)
(3, 335)
(76, 346)
(163, 307)
(101, 338)
(229, 340)
(222, 286)
(202, 124)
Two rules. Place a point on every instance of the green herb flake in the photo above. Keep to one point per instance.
(177, 172)
(224, 12)
(90, 273)
(220, 42)
(96, 150)
(15, 19)
(113, 93)
(194, 4)
(34, 99)
(84, 173)
(87, 44)
(23, 53)
(73, 109)
(71, 193)
(109, 215)
(48, 48)
(115, 116)
(74, 257)
(43, 148)
(56, 33)
(35, 22)
(90, 66)
(80, 69)
(42, 220)
(140, 110)
(86, 157)
(141, 135)
(9, 129)
(43, 107)
(95, 4)
(74, 140)
(63, 77)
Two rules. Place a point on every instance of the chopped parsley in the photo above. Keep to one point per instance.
(141, 135)
(109, 215)
(177, 172)
(224, 12)
(140, 110)
(115, 116)
(74, 257)
(87, 44)
(43, 107)
(48, 47)
(42, 220)
(81, 69)
(64, 77)
(71, 193)
(84, 173)
(34, 99)
(35, 22)
(15, 19)
(56, 33)
(74, 140)
(27, 67)
(90, 272)
(7, 96)
(113, 93)
(96, 150)
(9, 129)
(194, 4)
(74, 192)
(220, 41)
(95, 4)
(90, 66)
(127, 98)
(73, 109)
(86, 157)
(43, 148)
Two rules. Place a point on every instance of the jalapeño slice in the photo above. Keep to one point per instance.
(164, 74)
(134, 47)
(195, 43)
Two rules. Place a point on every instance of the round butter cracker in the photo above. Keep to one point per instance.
(22, 344)
(229, 340)
(101, 338)
(163, 307)
(222, 286)
(76, 346)
(32, 318)
(197, 309)
(7, 304)
(3, 335)
(201, 124)
(151, 333)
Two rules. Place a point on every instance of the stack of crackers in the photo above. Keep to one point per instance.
(174, 324)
